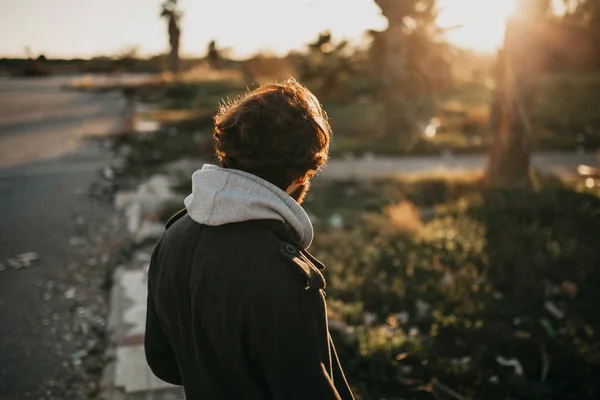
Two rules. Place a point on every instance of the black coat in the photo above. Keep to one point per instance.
(238, 312)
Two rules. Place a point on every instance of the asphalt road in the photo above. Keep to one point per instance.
(46, 171)
(38, 119)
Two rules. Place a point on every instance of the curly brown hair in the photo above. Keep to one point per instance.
(278, 132)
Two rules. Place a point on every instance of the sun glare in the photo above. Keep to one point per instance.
(480, 24)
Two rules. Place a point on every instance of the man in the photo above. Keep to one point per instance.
(236, 306)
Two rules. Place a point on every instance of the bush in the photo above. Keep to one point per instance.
(494, 277)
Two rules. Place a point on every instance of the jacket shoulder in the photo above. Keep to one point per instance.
(274, 263)
(177, 216)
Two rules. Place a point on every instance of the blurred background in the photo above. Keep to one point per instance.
(458, 216)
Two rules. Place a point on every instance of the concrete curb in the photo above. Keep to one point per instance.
(127, 376)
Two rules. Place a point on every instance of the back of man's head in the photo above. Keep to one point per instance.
(278, 132)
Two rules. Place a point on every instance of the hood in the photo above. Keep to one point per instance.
(222, 196)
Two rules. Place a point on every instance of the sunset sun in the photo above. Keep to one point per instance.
(480, 24)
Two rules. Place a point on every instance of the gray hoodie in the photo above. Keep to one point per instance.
(221, 196)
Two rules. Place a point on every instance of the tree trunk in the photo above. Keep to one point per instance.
(174, 35)
(174, 59)
(512, 107)
(399, 125)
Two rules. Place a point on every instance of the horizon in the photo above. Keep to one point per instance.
(135, 26)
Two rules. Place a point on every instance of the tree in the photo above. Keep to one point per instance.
(325, 65)
(406, 55)
(582, 12)
(172, 14)
(518, 66)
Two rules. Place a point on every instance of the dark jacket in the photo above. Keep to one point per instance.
(237, 311)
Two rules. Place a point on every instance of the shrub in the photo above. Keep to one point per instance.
(495, 277)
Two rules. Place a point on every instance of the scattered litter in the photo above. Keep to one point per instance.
(20, 261)
(69, 293)
(554, 310)
(517, 321)
(494, 379)
(513, 362)
(78, 355)
(422, 308)
(548, 328)
(414, 331)
(460, 361)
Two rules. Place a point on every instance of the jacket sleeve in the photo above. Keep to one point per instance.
(159, 353)
(295, 351)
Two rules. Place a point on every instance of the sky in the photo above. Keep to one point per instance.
(86, 28)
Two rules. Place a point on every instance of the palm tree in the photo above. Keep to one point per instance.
(172, 14)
